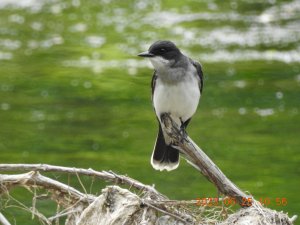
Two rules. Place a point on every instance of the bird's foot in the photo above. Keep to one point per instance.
(182, 130)
(183, 133)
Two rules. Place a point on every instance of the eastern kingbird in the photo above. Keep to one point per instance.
(177, 85)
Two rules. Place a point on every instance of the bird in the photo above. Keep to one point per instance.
(176, 85)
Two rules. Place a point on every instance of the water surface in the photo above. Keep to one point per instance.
(73, 92)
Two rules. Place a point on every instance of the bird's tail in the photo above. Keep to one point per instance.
(164, 157)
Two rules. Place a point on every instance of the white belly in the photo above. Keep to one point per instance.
(180, 99)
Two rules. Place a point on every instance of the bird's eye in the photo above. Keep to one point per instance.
(162, 49)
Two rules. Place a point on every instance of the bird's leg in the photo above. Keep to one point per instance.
(182, 129)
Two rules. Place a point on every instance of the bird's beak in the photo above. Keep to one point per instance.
(146, 54)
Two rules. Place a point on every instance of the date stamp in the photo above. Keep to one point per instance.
(210, 202)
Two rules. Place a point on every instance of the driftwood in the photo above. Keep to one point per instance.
(121, 206)
(116, 206)
(117, 203)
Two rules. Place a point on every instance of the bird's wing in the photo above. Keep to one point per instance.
(199, 73)
(153, 81)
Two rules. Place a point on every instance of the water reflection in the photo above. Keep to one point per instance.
(8, 44)
(292, 56)
(6, 55)
(5, 106)
(256, 37)
(95, 41)
(242, 111)
(264, 112)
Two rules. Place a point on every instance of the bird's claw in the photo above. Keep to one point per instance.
(183, 133)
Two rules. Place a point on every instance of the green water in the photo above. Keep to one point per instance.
(73, 92)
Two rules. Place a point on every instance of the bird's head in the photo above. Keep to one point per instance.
(162, 54)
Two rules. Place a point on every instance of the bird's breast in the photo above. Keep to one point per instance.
(180, 98)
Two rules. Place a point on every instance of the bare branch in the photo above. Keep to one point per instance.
(3, 220)
(104, 175)
(167, 213)
(202, 162)
(34, 179)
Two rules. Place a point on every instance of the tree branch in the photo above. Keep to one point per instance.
(34, 178)
(103, 175)
(202, 162)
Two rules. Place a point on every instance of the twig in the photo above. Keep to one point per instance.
(36, 179)
(58, 215)
(3, 220)
(21, 206)
(166, 212)
(201, 202)
(104, 175)
(81, 184)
